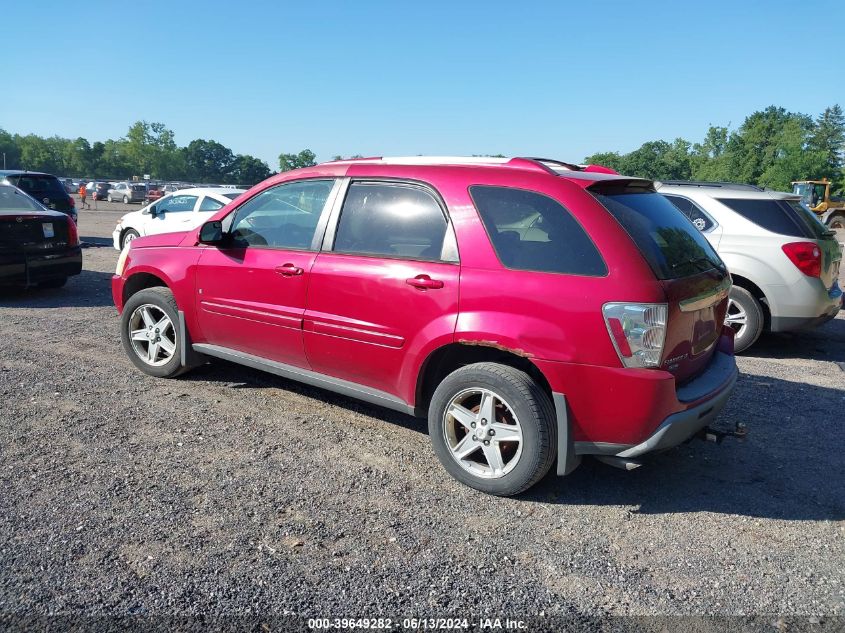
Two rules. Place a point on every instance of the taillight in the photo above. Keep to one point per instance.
(638, 331)
(72, 232)
(806, 256)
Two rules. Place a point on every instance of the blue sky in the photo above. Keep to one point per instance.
(555, 79)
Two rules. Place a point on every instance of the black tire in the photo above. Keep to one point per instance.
(528, 402)
(109, 198)
(163, 300)
(128, 235)
(125, 200)
(836, 221)
(53, 283)
(746, 303)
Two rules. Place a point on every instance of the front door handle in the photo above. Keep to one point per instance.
(424, 282)
(289, 270)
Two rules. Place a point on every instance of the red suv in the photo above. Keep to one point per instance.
(532, 310)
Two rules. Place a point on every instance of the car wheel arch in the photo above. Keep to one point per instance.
(746, 283)
(447, 358)
(141, 281)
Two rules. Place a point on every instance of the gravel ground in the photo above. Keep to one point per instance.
(229, 491)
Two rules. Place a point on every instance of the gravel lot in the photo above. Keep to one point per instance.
(229, 491)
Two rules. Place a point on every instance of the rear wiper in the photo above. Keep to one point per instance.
(696, 261)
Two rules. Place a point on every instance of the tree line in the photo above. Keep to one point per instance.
(147, 148)
(770, 149)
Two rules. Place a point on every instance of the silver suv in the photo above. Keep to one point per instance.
(127, 192)
(784, 263)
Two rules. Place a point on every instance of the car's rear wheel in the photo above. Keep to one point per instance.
(125, 200)
(149, 331)
(745, 316)
(837, 221)
(128, 236)
(493, 428)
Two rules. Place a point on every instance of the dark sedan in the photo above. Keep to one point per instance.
(38, 247)
(100, 191)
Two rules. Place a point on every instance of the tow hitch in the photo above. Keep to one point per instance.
(714, 435)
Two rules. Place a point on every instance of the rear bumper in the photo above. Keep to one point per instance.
(681, 426)
(612, 410)
(27, 269)
(805, 304)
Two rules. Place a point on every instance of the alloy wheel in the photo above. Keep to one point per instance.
(152, 335)
(483, 433)
(736, 317)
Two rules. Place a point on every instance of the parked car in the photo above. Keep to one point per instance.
(783, 261)
(38, 246)
(127, 192)
(45, 188)
(99, 190)
(534, 311)
(154, 192)
(179, 211)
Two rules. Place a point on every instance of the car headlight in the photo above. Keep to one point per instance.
(121, 261)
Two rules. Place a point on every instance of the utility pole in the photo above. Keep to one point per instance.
(4, 160)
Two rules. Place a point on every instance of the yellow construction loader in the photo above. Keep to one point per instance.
(816, 195)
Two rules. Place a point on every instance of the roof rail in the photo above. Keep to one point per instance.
(707, 183)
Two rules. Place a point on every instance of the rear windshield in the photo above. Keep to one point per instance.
(785, 217)
(231, 196)
(13, 200)
(37, 184)
(670, 243)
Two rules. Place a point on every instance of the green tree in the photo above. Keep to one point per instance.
(248, 170)
(305, 158)
(9, 151)
(828, 137)
(207, 161)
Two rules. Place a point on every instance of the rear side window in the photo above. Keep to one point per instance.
(38, 184)
(531, 231)
(669, 242)
(776, 216)
(699, 219)
(210, 204)
(392, 220)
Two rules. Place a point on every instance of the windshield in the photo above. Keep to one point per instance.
(670, 243)
(13, 200)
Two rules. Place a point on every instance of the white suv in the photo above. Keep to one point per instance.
(784, 263)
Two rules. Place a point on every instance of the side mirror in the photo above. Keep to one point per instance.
(212, 233)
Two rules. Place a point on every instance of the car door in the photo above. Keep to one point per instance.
(207, 207)
(173, 214)
(251, 290)
(384, 285)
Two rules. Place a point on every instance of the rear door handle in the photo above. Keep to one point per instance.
(289, 270)
(424, 282)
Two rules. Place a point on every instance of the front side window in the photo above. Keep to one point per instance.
(285, 216)
(531, 231)
(176, 204)
(391, 220)
(210, 204)
(700, 220)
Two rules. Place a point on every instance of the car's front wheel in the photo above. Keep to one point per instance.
(745, 316)
(149, 331)
(128, 236)
(493, 428)
(108, 198)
